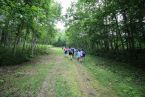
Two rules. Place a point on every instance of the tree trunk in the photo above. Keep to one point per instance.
(33, 43)
(118, 31)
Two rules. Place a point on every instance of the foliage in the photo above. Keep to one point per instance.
(119, 76)
(108, 27)
(7, 57)
(25, 22)
(60, 40)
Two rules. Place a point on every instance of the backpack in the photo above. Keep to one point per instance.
(84, 54)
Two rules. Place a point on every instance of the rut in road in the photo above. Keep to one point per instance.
(47, 88)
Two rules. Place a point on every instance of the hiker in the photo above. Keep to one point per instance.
(83, 54)
(78, 55)
(71, 52)
(75, 53)
(65, 51)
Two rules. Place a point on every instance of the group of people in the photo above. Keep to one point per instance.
(74, 53)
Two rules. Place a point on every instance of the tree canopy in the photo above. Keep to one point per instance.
(24, 24)
(108, 27)
(30, 21)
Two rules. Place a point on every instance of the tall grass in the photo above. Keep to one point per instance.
(127, 81)
(7, 57)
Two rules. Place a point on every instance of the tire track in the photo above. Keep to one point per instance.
(47, 88)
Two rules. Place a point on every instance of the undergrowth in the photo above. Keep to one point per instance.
(7, 57)
(125, 80)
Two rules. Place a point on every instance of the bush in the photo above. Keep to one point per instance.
(7, 56)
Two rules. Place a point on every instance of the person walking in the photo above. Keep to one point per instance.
(78, 55)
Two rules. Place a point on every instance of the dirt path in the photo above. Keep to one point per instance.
(47, 88)
(84, 82)
(66, 68)
(65, 78)
(81, 77)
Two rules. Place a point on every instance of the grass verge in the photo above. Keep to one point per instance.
(7, 56)
(116, 75)
(25, 80)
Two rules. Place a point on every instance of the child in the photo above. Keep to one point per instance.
(70, 53)
(78, 55)
(65, 50)
(75, 53)
(82, 55)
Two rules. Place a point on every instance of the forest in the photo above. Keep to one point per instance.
(33, 62)
(24, 25)
(109, 28)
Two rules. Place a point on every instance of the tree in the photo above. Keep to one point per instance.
(109, 27)
(25, 23)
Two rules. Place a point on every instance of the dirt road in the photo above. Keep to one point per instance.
(78, 79)
(52, 75)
